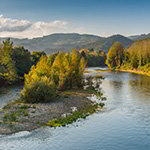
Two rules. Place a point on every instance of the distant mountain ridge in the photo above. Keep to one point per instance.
(139, 37)
(68, 41)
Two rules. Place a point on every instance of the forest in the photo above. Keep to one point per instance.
(43, 75)
(16, 61)
(95, 58)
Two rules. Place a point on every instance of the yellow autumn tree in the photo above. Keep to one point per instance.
(60, 71)
(115, 55)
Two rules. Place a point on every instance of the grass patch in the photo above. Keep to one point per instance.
(11, 117)
(76, 92)
(15, 115)
(82, 114)
(24, 107)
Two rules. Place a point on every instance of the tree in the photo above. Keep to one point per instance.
(91, 49)
(83, 54)
(22, 59)
(7, 61)
(36, 56)
(115, 55)
(139, 53)
(14, 61)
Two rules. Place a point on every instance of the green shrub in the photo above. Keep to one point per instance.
(12, 117)
(39, 91)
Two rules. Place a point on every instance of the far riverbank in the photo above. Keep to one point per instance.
(136, 71)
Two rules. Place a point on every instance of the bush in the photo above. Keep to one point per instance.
(39, 91)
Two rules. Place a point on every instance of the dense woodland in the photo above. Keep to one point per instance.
(64, 70)
(137, 56)
(16, 61)
(43, 75)
(93, 57)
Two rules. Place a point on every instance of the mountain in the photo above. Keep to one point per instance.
(66, 42)
(106, 43)
(116, 38)
(139, 37)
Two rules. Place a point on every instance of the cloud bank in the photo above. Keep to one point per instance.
(27, 29)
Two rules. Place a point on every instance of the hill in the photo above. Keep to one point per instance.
(66, 42)
(139, 37)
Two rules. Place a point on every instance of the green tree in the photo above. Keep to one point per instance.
(22, 59)
(7, 61)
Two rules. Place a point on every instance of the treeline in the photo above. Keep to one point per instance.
(137, 56)
(15, 61)
(94, 58)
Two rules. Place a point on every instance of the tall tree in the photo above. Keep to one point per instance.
(8, 62)
(115, 55)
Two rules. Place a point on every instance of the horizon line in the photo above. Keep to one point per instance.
(78, 34)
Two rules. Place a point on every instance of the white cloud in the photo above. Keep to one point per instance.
(27, 29)
(12, 25)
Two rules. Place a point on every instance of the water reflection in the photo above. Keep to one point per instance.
(142, 83)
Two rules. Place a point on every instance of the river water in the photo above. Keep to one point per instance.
(123, 124)
(9, 94)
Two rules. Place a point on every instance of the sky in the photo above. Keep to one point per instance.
(36, 18)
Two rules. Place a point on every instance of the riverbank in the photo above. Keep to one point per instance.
(67, 108)
(97, 69)
(134, 71)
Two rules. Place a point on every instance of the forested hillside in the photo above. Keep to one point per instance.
(66, 42)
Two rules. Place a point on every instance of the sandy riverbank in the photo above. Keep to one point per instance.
(134, 71)
(18, 116)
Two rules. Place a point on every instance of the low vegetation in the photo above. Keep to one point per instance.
(15, 115)
(39, 91)
(68, 119)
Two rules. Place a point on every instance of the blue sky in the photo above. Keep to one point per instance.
(100, 17)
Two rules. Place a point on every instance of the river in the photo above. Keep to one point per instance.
(8, 94)
(123, 124)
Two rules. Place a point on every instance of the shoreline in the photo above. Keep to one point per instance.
(69, 107)
(98, 70)
(134, 71)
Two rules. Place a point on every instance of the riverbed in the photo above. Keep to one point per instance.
(124, 123)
